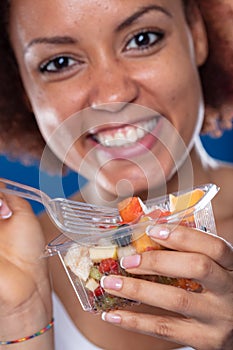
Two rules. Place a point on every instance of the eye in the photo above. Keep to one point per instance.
(57, 64)
(144, 40)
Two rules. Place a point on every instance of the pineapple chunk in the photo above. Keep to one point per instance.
(92, 284)
(99, 253)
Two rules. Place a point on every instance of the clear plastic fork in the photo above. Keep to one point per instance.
(81, 221)
(71, 217)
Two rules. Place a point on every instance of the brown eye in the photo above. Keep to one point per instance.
(57, 64)
(144, 40)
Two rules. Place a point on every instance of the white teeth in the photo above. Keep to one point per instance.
(131, 135)
(127, 135)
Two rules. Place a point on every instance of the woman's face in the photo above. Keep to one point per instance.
(129, 67)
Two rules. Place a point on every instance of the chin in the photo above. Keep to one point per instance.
(122, 185)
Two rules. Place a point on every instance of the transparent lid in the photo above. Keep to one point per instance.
(201, 212)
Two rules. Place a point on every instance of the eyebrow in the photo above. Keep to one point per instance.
(143, 10)
(54, 40)
(61, 40)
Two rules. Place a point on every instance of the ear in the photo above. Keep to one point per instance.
(198, 32)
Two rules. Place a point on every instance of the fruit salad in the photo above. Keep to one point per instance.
(89, 263)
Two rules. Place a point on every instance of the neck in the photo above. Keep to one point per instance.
(194, 171)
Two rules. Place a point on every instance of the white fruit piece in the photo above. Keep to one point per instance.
(78, 260)
(99, 253)
(92, 284)
(125, 251)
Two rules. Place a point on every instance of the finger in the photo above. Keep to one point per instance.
(180, 330)
(5, 211)
(182, 238)
(20, 231)
(14, 204)
(175, 264)
(158, 295)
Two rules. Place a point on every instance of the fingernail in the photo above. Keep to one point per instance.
(5, 212)
(157, 232)
(109, 282)
(112, 318)
(128, 262)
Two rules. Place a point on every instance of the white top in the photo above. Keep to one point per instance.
(67, 336)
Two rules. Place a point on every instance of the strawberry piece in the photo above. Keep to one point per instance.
(109, 265)
(98, 291)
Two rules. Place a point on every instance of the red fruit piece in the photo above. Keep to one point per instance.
(130, 209)
(158, 214)
(109, 265)
(98, 291)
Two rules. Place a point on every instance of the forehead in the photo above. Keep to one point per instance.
(44, 11)
(81, 19)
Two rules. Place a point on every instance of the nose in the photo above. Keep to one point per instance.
(112, 88)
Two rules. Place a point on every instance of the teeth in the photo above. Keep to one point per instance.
(125, 136)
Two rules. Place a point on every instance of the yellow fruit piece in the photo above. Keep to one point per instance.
(144, 219)
(186, 200)
(92, 284)
(144, 244)
(99, 253)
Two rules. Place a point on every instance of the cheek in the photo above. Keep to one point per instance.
(60, 135)
(47, 121)
(178, 96)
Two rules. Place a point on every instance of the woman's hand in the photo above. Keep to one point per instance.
(25, 300)
(201, 320)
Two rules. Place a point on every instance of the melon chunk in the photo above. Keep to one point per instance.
(130, 209)
(92, 284)
(184, 201)
(99, 253)
(145, 243)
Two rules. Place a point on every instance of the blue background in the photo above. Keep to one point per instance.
(221, 148)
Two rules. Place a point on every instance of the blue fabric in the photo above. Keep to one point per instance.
(221, 148)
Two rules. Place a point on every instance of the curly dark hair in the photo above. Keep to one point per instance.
(19, 133)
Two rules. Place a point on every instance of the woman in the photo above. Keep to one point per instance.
(95, 74)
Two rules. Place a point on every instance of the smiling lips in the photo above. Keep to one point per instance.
(125, 136)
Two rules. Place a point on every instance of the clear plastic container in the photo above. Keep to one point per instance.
(87, 257)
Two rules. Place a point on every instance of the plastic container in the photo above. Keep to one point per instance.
(87, 257)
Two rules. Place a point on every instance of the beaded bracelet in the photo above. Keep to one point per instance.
(42, 331)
